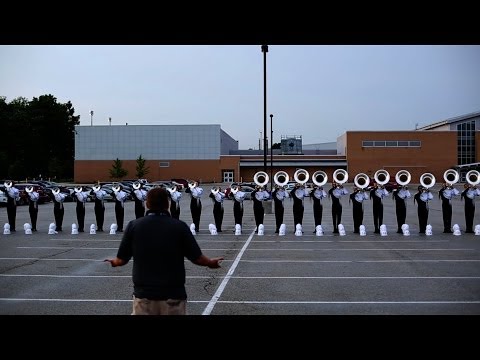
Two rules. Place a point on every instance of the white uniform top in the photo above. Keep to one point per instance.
(219, 196)
(404, 194)
(34, 196)
(141, 194)
(338, 192)
(425, 196)
(450, 193)
(471, 193)
(82, 196)
(176, 195)
(14, 193)
(100, 194)
(281, 194)
(320, 194)
(121, 196)
(381, 193)
(262, 195)
(196, 192)
(360, 196)
(60, 197)
(239, 196)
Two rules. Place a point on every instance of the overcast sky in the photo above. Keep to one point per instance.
(317, 91)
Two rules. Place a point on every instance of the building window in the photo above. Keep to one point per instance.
(367, 143)
(391, 143)
(466, 143)
(164, 163)
(228, 176)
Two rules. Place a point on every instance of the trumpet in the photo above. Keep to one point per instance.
(340, 176)
(171, 189)
(96, 188)
(403, 178)
(78, 189)
(29, 189)
(319, 178)
(8, 184)
(56, 191)
(116, 188)
(381, 177)
(137, 185)
(234, 189)
(301, 176)
(215, 190)
(473, 177)
(192, 184)
(451, 177)
(361, 181)
(427, 180)
(281, 178)
(261, 178)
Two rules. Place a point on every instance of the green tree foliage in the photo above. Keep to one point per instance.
(37, 138)
(277, 146)
(117, 171)
(142, 170)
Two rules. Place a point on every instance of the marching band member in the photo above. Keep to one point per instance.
(175, 197)
(13, 195)
(469, 195)
(298, 194)
(99, 207)
(446, 193)
(139, 196)
(33, 197)
(335, 193)
(238, 198)
(377, 194)
(357, 198)
(120, 198)
(195, 203)
(278, 195)
(317, 194)
(258, 195)
(58, 199)
(81, 198)
(399, 196)
(217, 197)
(422, 197)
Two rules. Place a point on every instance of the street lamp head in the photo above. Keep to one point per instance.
(265, 48)
(271, 116)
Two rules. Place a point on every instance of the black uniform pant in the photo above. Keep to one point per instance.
(119, 216)
(258, 213)
(469, 214)
(317, 214)
(99, 215)
(336, 215)
(357, 216)
(297, 215)
(175, 210)
(33, 211)
(12, 215)
(81, 216)
(401, 210)
(218, 215)
(139, 209)
(196, 210)
(447, 216)
(238, 212)
(377, 216)
(422, 216)
(279, 211)
(58, 213)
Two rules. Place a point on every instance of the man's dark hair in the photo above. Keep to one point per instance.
(157, 199)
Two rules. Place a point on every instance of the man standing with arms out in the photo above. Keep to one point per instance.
(159, 245)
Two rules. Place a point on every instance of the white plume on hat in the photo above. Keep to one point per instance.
(6, 229)
(406, 230)
(319, 230)
(282, 230)
(383, 230)
(238, 229)
(113, 229)
(298, 230)
(51, 229)
(93, 229)
(261, 229)
(363, 230)
(341, 230)
(192, 229)
(28, 229)
(456, 230)
(74, 229)
(428, 230)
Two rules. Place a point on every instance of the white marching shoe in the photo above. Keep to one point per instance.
(93, 229)
(261, 230)
(6, 229)
(383, 230)
(428, 230)
(406, 230)
(192, 229)
(363, 230)
(51, 229)
(238, 229)
(74, 229)
(456, 230)
(213, 229)
(341, 230)
(113, 229)
(319, 230)
(477, 229)
(28, 229)
(282, 230)
(298, 230)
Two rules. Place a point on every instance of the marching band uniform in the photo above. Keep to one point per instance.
(422, 198)
(120, 197)
(99, 208)
(238, 198)
(297, 194)
(446, 194)
(317, 194)
(218, 208)
(469, 195)
(377, 194)
(335, 193)
(140, 195)
(81, 197)
(258, 195)
(33, 208)
(358, 197)
(13, 195)
(175, 203)
(400, 195)
(58, 209)
(278, 195)
(195, 205)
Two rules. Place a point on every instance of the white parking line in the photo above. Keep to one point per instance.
(85, 300)
(86, 276)
(349, 302)
(384, 249)
(83, 248)
(353, 261)
(224, 282)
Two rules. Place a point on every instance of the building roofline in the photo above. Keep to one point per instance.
(450, 120)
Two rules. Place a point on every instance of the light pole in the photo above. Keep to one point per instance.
(91, 117)
(264, 50)
(271, 152)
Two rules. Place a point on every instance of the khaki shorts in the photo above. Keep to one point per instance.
(159, 307)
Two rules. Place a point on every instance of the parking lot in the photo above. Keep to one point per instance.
(45, 274)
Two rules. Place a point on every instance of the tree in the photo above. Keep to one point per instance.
(277, 146)
(141, 169)
(117, 171)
